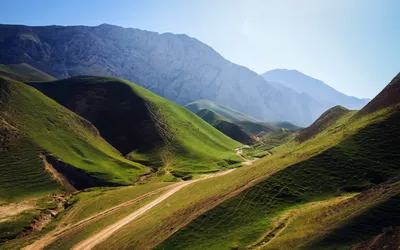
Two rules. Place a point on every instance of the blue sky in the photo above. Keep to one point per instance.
(352, 45)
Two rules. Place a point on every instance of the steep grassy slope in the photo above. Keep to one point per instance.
(357, 163)
(228, 113)
(228, 128)
(327, 118)
(389, 96)
(144, 126)
(31, 124)
(24, 72)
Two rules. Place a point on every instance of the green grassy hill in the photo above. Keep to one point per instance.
(32, 124)
(338, 188)
(325, 120)
(228, 128)
(24, 72)
(228, 113)
(143, 126)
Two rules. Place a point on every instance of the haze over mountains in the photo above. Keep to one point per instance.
(177, 67)
(315, 88)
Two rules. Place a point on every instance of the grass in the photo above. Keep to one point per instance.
(88, 203)
(227, 113)
(24, 72)
(32, 123)
(146, 128)
(184, 206)
(358, 162)
(340, 223)
(228, 128)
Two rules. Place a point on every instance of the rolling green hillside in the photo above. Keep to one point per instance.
(356, 164)
(33, 124)
(345, 194)
(228, 113)
(210, 116)
(143, 126)
(24, 72)
(228, 128)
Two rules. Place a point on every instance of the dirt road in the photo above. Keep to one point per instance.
(239, 152)
(101, 236)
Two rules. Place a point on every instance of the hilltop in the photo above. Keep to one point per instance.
(228, 128)
(24, 72)
(389, 96)
(327, 118)
(227, 113)
(145, 127)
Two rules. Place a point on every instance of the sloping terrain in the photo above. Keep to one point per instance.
(285, 125)
(317, 89)
(47, 149)
(143, 126)
(227, 113)
(327, 118)
(24, 72)
(177, 67)
(389, 96)
(33, 124)
(363, 156)
(357, 163)
(228, 128)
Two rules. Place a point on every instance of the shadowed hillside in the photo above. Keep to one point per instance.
(228, 128)
(389, 96)
(327, 118)
(143, 126)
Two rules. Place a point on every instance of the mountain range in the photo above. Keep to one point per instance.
(177, 67)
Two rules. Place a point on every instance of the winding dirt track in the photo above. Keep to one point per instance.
(92, 241)
(101, 236)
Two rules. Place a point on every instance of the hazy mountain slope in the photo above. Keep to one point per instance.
(33, 124)
(317, 89)
(24, 72)
(246, 122)
(177, 67)
(144, 126)
(227, 113)
(228, 128)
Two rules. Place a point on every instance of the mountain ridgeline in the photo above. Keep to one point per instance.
(177, 67)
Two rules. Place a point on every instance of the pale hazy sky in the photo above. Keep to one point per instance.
(352, 45)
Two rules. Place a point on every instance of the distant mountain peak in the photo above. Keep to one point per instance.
(317, 89)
